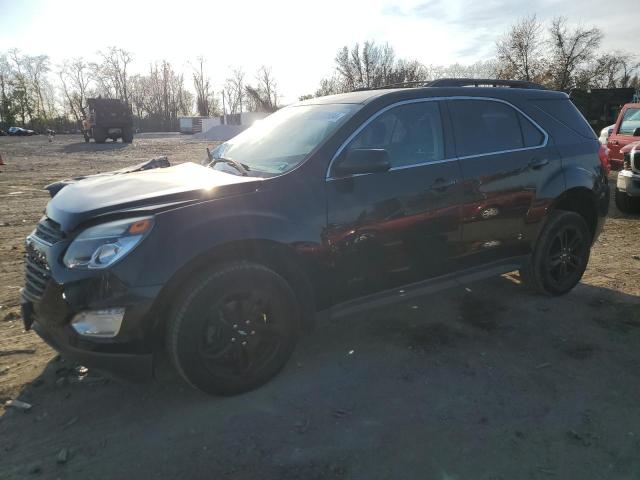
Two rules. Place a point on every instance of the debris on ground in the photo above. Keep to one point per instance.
(63, 456)
(70, 422)
(18, 405)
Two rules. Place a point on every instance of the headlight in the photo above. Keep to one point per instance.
(103, 245)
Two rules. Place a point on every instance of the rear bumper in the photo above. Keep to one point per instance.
(629, 183)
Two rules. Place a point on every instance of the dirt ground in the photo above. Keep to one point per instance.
(490, 382)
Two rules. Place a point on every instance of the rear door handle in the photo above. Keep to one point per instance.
(536, 163)
(441, 184)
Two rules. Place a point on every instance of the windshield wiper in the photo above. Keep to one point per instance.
(241, 167)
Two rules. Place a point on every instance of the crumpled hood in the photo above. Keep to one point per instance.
(144, 190)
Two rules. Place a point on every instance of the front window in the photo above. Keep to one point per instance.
(630, 121)
(284, 139)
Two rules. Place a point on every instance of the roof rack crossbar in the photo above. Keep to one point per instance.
(482, 82)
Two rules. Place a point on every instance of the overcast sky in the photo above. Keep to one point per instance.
(297, 38)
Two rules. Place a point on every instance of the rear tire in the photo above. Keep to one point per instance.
(127, 135)
(560, 256)
(233, 329)
(625, 203)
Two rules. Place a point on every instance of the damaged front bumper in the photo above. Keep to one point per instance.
(94, 318)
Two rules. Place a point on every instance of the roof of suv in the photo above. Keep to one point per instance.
(399, 94)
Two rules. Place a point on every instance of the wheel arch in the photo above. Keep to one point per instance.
(276, 256)
(582, 201)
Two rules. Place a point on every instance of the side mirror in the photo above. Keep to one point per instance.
(358, 161)
(636, 132)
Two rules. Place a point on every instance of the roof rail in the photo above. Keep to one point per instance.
(483, 82)
(417, 83)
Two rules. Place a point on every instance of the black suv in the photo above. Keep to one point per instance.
(332, 205)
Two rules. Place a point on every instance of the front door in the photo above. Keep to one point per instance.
(400, 226)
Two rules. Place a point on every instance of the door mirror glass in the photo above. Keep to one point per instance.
(636, 132)
(363, 160)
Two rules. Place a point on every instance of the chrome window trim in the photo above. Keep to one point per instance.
(435, 99)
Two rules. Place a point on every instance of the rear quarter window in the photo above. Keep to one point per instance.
(565, 112)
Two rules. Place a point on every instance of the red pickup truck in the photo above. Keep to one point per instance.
(625, 131)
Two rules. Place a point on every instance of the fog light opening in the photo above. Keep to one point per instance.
(98, 323)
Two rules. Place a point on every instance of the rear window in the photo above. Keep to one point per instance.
(564, 111)
(630, 121)
(485, 126)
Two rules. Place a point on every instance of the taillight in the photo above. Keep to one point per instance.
(603, 154)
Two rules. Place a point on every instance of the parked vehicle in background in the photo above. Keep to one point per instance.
(336, 204)
(107, 118)
(627, 194)
(625, 131)
(20, 132)
(605, 133)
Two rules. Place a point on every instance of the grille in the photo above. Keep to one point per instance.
(36, 272)
(635, 160)
(49, 231)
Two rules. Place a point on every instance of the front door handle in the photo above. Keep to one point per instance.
(536, 163)
(441, 184)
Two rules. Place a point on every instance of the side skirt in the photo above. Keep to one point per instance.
(426, 287)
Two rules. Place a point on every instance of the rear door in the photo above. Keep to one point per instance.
(504, 158)
(623, 133)
(400, 226)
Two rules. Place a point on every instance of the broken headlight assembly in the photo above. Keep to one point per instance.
(103, 245)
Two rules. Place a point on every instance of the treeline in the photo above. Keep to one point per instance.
(36, 94)
(555, 55)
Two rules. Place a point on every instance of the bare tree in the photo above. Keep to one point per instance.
(263, 96)
(111, 75)
(75, 79)
(201, 84)
(519, 50)
(234, 92)
(570, 51)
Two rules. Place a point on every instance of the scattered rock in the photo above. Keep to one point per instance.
(338, 413)
(3, 370)
(635, 257)
(63, 456)
(18, 405)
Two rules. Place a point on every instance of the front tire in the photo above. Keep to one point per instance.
(233, 328)
(560, 256)
(625, 203)
(99, 135)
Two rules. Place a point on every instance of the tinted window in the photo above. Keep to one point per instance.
(532, 136)
(484, 126)
(564, 111)
(630, 121)
(411, 133)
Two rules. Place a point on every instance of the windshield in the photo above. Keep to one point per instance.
(284, 139)
(630, 121)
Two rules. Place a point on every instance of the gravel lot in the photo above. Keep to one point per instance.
(490, 382)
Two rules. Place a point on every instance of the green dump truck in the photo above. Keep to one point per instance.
(107, 118)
